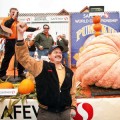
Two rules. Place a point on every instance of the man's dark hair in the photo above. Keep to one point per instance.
(13, 9)
(45, 25)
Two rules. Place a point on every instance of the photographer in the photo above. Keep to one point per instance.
(62, 41)
(11, 22)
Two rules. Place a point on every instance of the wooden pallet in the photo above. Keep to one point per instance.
(99, 91)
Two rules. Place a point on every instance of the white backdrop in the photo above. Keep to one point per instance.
(58, 24)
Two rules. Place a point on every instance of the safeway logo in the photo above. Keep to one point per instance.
(84, 112)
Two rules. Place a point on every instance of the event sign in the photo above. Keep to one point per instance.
(87, 109)
(98, 109)
(35, 19)
(82, 30)
(26, 111)
(8, 92)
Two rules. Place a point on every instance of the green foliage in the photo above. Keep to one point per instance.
(13, 100)
(79, 94)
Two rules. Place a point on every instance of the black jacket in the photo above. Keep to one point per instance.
(48, 90)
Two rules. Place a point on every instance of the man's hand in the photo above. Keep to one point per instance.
(37, 28)
(72, 113)
(40, 47)
(21, 28)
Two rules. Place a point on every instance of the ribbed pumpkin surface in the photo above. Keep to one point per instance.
(99, 62)
(26, 86)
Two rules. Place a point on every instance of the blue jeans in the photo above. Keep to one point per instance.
(65, 58)
(31, 53)
(43, 52)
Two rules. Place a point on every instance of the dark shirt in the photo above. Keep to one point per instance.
(64, 44)
(42, 40)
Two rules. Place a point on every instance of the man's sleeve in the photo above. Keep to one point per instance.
(28, 62)
(7, 22)
(31, 29)
(37, 40)
(65, 42)
(53, 41)
(73, 93)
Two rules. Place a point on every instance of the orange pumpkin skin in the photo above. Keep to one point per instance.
(99, 62)
(97, 27)
(96, 19)
(6, 85)
(26, 86)
(97, 33)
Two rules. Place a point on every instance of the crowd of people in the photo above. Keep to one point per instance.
(41, 43)
(55, 78)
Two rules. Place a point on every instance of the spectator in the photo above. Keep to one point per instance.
(30, 43)
(61, 40)
(44, 41)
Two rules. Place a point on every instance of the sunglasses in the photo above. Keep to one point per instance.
(46, 28)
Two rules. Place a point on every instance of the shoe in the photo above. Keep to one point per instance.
(3, 78)
(16, 79)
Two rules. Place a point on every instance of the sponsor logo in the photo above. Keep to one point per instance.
(21, 112)
(8, 92)
(84, 112)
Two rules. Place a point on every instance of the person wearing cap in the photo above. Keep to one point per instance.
(55, 83)
(62, 41)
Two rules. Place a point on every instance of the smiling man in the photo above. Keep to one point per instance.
(55, 84)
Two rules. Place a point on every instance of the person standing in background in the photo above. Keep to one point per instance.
(11, 22)
(61, 40)
(44, 41)
(30, 43)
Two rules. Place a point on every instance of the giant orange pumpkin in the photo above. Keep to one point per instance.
(97, 27)
(96, 19)
(99, 62)
(6, 85)
(26, 86)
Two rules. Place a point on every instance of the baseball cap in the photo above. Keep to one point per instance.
(53, 47)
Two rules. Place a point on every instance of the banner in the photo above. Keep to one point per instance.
(82, 30)
(98, 109)
(87, 109)
(44, 18)
(27, 111)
